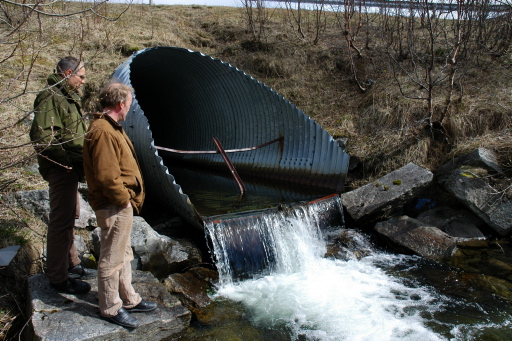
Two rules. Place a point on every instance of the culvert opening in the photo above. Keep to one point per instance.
(184, 99)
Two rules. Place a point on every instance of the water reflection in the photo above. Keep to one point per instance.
(215, 193)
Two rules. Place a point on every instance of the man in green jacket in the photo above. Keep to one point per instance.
(57, 134)
(116, 191)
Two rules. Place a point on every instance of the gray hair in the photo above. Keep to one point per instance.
(68, 63)
(113, 94)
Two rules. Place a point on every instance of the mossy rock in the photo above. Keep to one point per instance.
(127, 49)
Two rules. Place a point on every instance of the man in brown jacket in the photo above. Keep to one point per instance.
(116, 190)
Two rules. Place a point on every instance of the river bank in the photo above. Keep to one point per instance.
(333, 271)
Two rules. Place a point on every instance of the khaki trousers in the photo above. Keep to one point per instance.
(115, 288)
(61, 252)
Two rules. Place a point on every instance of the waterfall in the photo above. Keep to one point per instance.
(264, 242)
(274, 264)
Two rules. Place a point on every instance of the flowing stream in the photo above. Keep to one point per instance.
(360, 294)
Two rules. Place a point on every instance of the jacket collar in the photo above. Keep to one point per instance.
(102, 115)
(56, 80)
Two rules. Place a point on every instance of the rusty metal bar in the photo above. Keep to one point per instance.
(230, 166)
(216, 151)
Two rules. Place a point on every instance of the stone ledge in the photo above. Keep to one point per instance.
(380, 199)
(58, 316)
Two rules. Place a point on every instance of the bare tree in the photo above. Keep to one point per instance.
(494, 29)
(28, 33)
(313, 18)
(257, 16)
(440, 42)
(351, 19)
(461, 28)
(427, 65)
(392, 29)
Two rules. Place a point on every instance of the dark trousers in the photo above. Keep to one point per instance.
(61, 253)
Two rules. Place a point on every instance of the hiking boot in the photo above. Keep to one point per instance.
(123, 318)
(72, 286)
(78, 271)
(143, 307)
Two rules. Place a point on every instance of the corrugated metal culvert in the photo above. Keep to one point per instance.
(184, 99)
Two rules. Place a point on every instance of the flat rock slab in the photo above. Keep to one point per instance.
(380, 198)
(426, 241)
(481, 157)
(475, 193)
(58, 316)
(457, 223)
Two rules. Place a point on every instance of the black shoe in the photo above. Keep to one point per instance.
(78, 271)
(143, 306)
(72, 286)
(123, 318)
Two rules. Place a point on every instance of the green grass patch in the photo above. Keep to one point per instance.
(12, 233)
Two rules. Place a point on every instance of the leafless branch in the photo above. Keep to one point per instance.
(34, 7)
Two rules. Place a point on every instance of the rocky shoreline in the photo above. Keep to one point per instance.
(453, 216)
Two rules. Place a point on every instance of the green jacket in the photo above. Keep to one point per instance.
(111, 167)
(58, 128)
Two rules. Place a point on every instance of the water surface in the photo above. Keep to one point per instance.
(360, 294)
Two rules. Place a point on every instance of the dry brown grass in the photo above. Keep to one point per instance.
(6, 319)
(18, 227)
(316, 78)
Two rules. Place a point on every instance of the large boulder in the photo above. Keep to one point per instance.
(490, 257)
(37, 202)
(192, 286)
(87, 216)
(347, 244)
(475, 193)
(455, 222)
(161, 255)
(379, 199)
(419, 238)
(480, 158)
(58, 316)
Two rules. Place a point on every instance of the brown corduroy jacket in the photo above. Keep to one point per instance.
(111, 168)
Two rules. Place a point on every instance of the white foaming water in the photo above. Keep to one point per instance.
(325, 299)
